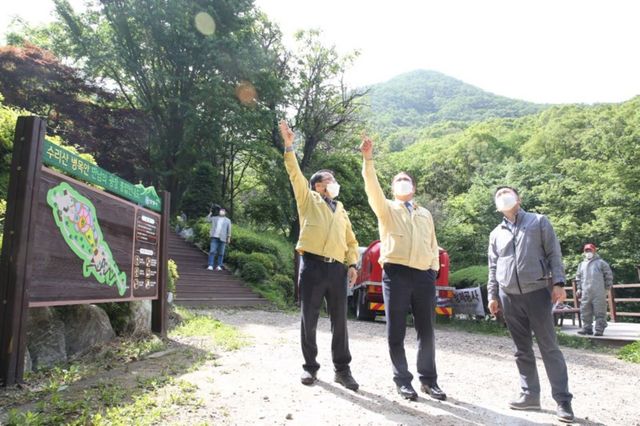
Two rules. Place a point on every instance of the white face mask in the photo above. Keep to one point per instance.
(333, 189)
(588, 255)
(402, 187)
(506, 201)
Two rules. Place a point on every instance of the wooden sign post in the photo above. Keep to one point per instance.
(68, 242)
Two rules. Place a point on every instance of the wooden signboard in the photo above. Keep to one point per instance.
(68, 242)
(91, 246)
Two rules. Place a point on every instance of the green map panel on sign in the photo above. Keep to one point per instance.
(77, 221)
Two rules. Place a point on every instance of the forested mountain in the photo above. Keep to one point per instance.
(420, 98)
(578, 164)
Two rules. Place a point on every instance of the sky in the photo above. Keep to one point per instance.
(547, 51)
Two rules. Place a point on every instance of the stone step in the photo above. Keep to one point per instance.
(237, 302)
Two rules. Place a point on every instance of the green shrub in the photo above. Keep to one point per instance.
(269, 261)
(247, 241)
(630, 352)
(285, 284)
(472, 276)
(253, 272)
(172, 277)
(235, 258)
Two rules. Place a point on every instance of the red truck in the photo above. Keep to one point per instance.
(366, 300)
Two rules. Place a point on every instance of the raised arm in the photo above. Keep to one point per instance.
(377, 200)
(300, 185)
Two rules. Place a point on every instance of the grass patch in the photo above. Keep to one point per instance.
(222, 335)
(141, 393)
(480, 326)
(579, 342)
(630, 353)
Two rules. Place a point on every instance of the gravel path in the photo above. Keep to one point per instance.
(259, 384)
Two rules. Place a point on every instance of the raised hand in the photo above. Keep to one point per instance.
(286, 133)
(366, 147)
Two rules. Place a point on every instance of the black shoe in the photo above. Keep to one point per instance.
(598, 333)
(585, 331)
(346, 379)
(525, 401)
(308, 378)
(407, 392)
(564, 413)
(434, 391)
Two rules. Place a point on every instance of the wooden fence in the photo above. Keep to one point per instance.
(613, 301)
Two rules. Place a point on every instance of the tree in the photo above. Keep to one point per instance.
(202, 191)
(326, 111)
(151, 51)
(83, 113)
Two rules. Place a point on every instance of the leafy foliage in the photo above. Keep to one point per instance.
(253, 271)
(471, 276)
(630, 352)
(577, 164)
(83, 113)
(172, 276)
(202, 191)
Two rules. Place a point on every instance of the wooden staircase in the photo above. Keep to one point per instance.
(198, 286)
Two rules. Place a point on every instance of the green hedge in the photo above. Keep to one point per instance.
(472, 276)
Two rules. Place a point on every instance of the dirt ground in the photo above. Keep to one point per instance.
(259, 384)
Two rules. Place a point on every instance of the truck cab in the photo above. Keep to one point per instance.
(367, 301)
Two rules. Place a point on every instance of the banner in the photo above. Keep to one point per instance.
(468, 301)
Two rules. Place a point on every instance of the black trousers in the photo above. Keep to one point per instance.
(318, 281)
(527, 313)
(403, 288)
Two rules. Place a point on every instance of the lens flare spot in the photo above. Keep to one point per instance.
(246, 93)
(205, 23)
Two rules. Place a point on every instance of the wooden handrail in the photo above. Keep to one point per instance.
(613, 301)
(626, 286)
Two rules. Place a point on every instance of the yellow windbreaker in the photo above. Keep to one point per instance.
(322, 231)
(406, 238)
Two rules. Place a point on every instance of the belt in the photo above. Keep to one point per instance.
(320, 258)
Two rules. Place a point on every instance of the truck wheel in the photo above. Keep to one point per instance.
(362, 308)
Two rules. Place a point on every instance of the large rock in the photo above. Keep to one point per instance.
(86, 326)
(45, 338)
(139, 321)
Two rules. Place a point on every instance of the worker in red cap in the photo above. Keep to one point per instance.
(593, 280)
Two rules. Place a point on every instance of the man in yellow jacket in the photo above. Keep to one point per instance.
(329, 251)
(410, 261)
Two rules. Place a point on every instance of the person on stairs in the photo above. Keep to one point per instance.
(220, 234)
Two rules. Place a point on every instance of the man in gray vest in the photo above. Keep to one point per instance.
(593, 280)
(220, 236)
(524, 256)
